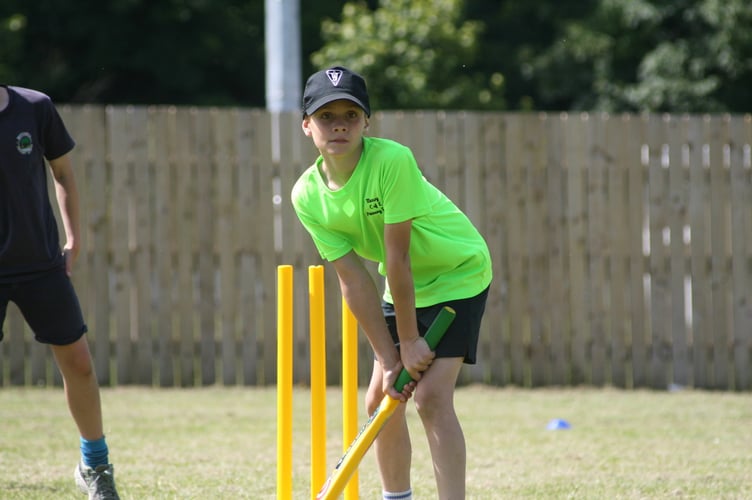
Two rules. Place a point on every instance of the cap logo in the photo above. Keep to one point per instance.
(334, 76)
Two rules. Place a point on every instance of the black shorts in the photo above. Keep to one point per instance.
(461, 338)
(49, 305)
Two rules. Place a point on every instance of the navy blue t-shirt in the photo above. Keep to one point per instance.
(30, 131)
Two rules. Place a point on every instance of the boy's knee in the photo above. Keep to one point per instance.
(422, 402)
(79, 366)
(74, 360)
(429, 400)
(372, 401)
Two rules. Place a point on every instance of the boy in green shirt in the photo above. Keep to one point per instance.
(365, 198)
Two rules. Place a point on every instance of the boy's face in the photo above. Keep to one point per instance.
(336, 128)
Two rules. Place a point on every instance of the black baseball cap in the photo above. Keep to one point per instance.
(332, 84)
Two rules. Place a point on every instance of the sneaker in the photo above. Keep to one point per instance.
(98, 483)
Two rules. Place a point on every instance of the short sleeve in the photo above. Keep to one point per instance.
(405, 194)
(57, 140)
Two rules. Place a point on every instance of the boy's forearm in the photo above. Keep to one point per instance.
(399, 274)
(402, 288)
(362, 297)
(364, 303)
(67, 198)
(66, 193)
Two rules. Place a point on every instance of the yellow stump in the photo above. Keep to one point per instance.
(350, 426)
(284, 382)
(317, 318)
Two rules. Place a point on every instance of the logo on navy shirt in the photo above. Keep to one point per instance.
(374, 206)
(24, 144)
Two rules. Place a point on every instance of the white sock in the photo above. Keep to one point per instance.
(402, 495)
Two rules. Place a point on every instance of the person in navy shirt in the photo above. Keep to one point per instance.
(35, 271)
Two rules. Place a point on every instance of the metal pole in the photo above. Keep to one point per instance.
(283, 55)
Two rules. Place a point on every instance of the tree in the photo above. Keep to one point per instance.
(651, 55)
(136, 51)
(615, 55)
(413, 53)
(517, 31)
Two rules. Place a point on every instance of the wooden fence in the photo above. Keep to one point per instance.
(622, 245)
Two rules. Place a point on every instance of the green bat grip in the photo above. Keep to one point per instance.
(437, 330)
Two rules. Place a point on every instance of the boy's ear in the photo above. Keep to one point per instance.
(305, 126)
(367, 124)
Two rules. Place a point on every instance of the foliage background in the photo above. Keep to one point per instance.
(612, 55)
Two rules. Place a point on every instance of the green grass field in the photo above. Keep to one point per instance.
(220, 443)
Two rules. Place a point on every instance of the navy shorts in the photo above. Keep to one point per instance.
(461, 338)
(49, 305)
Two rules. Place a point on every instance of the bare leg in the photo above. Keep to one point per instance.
(434, 400)
(81, 387)
(392, 445)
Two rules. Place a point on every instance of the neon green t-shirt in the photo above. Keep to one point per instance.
(448, 256)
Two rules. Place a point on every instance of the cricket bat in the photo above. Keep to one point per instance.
(349, 462)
